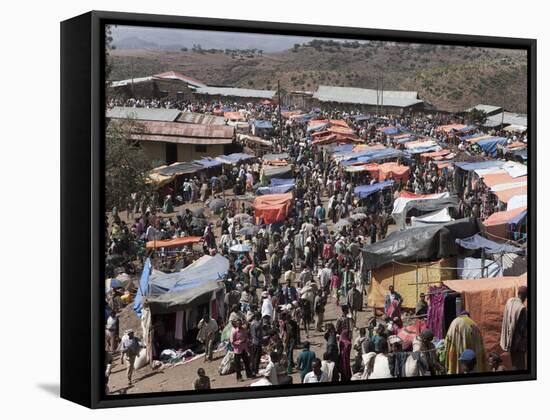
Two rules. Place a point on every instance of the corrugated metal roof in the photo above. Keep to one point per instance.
(196, 118)
(239, 92)
(354, 95)
(187, 130)
(488, 109)
(510, 118)
(151, 114)
(175, 75)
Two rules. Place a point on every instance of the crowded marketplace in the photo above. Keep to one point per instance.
(330, 240)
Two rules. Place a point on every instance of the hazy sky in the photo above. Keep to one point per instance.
(136, 37)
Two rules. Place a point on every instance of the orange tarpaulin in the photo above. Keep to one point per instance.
(448, 128)
(365, 147)
(288, 114)
(174, 243)
(272, 208)
(426, 156)
(501, 178)
(485, 300)
(506, 195)
(501, 217)
(393, 170)
(476, 139)
(233, 116)
(341, 123)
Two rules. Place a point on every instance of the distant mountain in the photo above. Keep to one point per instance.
(133, 43)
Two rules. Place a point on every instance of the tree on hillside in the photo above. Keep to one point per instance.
(126, 165)
(477, 116)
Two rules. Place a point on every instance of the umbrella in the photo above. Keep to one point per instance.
(358, 216)
(199, 212)
(216, 204)
(242, 217)
(240, 248)
(340, 224)
(249, 229)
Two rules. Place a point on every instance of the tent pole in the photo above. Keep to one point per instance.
(417, 279)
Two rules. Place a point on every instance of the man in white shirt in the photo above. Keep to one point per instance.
(270, 372)
(316, 375)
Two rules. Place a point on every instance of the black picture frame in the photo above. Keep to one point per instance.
(82, 217)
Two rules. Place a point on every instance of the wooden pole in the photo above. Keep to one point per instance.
(417, 279)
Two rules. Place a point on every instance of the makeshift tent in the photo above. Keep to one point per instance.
(485, 300)
(505, 195)
(424, 206)
(143, 289)
(363, 191)
(491, 247)
(498, 223)
(174, 243)
(406, 196)
(433, 218)
(476, 268)
(450, 127)
(422, 243)
(389, 130)
(272, 208)
(515, 169)
(371, 155)
(393, 170)
(500, 178)
(489, 146)
(404, 279)
(235, 116)
(193, 285)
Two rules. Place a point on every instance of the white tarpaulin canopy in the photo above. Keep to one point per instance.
(441, 216)
(400, 203)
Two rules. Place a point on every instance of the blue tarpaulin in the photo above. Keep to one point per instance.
(472, 166)
(390, 130)
(303, 118)
(491, 247)
(489, 146)
(143, 289)
(344, 148)
(372, 155)
(406, 139)
(281, 181)
(518, 219)
(262, 124)
(360, 117)
(363, 191)
(208, 162)
(466, 129)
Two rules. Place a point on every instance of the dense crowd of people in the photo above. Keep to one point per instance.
(278, 288)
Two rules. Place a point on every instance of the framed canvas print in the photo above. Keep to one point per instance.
(257, 209)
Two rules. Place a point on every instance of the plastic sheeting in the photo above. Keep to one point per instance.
(272, 208)
(425, 205)
(485, 164)
(277, 171)
(233, 158)
(143, 288)
(490, 247)
(424, 243)
(263, 125)
(470, 268)
(194, 284)
(516, 202)
(489, 146)
(404, 197)
(363, 191)
(281, 181)
(430, 219)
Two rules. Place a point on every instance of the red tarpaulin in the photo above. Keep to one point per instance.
(272, 208)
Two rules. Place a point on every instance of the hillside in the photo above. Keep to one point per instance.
(449, 77)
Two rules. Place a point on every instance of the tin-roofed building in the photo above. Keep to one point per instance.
(150, 114)
(232, 93)
(369, 98)
(488, 109)
(170, 85)
(504, 119)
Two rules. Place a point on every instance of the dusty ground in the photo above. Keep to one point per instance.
(178, 378)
